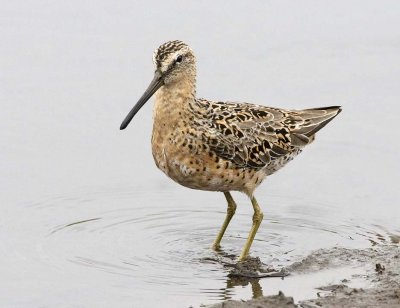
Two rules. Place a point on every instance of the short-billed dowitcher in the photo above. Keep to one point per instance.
(220, 146)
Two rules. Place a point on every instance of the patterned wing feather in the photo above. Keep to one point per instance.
(252, 136)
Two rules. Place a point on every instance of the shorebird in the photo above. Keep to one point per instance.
(220, 146)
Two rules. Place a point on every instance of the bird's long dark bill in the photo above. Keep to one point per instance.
(155, 84)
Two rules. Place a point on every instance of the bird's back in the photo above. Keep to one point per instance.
(253, 136)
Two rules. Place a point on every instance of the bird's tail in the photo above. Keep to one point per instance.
(316, 118)
(312, 120)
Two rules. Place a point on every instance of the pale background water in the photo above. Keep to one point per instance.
(69, 73)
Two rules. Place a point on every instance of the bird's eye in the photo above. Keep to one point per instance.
(179, 59)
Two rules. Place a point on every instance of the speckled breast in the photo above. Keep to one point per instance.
(200, 169)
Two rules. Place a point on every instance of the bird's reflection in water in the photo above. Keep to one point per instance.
(236, 281)
(244, 273)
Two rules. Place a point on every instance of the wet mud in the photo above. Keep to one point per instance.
(279, 300)
(381, 275)
(251, 268)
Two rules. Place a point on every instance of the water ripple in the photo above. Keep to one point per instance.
(158, 241)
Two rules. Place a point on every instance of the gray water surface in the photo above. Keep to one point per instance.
(87, 220)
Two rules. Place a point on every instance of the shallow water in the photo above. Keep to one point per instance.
(87, 219)
(125, 247)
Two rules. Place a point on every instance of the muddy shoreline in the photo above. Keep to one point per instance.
(382, 275)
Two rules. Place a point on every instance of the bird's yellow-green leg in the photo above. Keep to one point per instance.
(229, 214)
(257, 218)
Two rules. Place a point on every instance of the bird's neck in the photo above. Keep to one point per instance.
(172, 100)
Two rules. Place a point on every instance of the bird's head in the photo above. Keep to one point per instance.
(174, 62)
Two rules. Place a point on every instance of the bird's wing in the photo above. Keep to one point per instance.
(252, 136)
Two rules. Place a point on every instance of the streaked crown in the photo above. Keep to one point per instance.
(175, 59)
